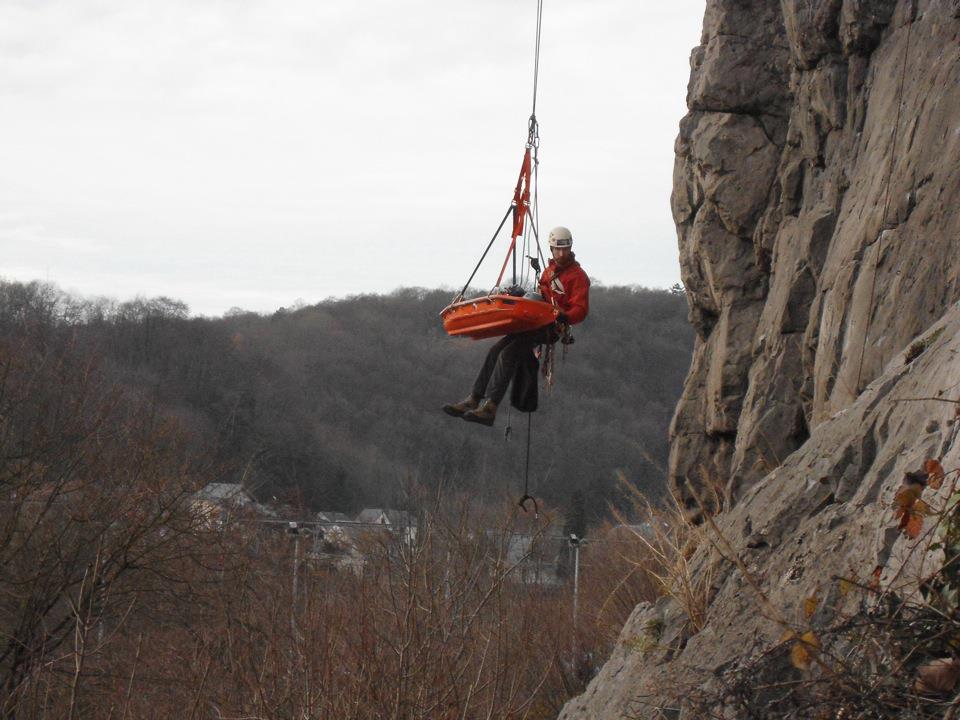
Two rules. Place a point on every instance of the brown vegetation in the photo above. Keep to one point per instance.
(120, 599)
(334, 404)
(860, 648)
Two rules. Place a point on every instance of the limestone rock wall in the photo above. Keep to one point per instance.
(825, 512)
(816, 200)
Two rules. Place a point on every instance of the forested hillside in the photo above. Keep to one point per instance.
(337, 405)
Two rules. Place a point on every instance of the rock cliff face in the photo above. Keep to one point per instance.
(815, 196)
(817, 202)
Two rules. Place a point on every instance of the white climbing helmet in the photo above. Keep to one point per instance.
(560, 237)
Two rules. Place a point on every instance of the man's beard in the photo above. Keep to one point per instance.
(564, 261)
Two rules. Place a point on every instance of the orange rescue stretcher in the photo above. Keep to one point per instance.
(493, 315)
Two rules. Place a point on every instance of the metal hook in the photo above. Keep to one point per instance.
(536, 507)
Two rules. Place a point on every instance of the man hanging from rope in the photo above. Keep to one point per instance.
(563, 283)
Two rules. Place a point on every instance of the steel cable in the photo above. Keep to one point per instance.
(482, 257)
(536, 57)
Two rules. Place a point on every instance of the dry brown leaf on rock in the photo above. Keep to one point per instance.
(935, 473)
(913, 526)
(909, 491)
(907, 505)
(937, 677)
(846, 586)
(802, 651)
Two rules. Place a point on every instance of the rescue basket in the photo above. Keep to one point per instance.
(493, 315)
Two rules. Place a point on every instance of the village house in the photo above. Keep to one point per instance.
(399, 521)
(343, 542)
(218, 501)
(536, 559)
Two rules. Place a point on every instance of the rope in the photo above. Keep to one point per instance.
(526, 475)
(526, 468)
(533, 209)
(533, 143)
(525, 277)
(533, 227)
(533, 213)
(482, 257)
(547, 358)
(515, 264)
(536, 222)
(536, 57)
(886, 201)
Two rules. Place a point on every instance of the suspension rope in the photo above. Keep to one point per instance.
(521, 200)
(533, 229)
(525, 277)
(536, 57)
(526, 474)
(535, 214)
(536, 234)
(482, 257)
(886, 200)
(521, 205)
(530, 211)
(533, 143)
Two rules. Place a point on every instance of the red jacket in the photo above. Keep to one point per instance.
(569, 288)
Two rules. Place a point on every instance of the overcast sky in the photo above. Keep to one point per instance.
(244, 153)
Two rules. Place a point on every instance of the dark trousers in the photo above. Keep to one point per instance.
(503, 359)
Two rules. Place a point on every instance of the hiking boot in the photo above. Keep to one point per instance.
(458, 409)
(485, 414)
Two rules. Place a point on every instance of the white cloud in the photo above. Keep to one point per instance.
(231, 153)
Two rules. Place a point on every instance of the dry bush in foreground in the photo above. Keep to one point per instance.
(95, 523)
(443, 627)
(881, 647)
(667, 538)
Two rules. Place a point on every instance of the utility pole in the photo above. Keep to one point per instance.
(294, 529)
(575, 544)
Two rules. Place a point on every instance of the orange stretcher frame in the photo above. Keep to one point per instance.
(490, 316)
